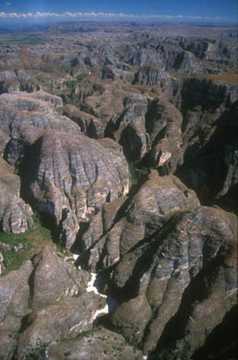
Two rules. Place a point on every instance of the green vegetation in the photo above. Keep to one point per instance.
(81, 77)
(21, 247)
(37, 353)
(21, 39)
(72, 84)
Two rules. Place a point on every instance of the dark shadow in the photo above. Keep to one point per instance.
(222, 343)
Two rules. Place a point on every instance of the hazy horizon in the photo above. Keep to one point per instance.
(171, 10)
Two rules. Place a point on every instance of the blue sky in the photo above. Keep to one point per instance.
(203, 8)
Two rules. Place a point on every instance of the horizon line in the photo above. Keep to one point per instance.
(94, 14)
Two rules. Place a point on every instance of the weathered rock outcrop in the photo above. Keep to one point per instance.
(107, 102)
(14, 306)
(15, 214)
(15, 81)
(45, 301)
(37, 109)
(25, 116)
(151, 76)
(163, 268)
(101, 344)
(73, 178)
(3, 141)
(189, 277)
(165, 53)
(120, 227)
(150, 129)
(129, 128)
(89, 124)
(164, 126)
(62, 306)
(58, 322)
(55, 279)
(8, 81)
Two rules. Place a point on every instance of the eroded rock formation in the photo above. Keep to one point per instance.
(124, 144)
(15, 214)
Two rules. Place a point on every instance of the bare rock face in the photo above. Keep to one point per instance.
(15, 81)
(157, 201)
(129, 129)
(14, 306)
(187, 287)
(230, 181)
(132, 317)
(165, 53)
(8, 81)
(101, 344)
(120, 227)
(74, 176)
(55, 279)
(25, 116)
(15, 214)
(149, 129)
(150, 267)
(167, 265)
(209, 266)
(89, 124)
(3, 141)
(106, 101)
(62, 304)
(164, 126)
(47, 300)
(2, 265)
(151, 76)
(58, 322)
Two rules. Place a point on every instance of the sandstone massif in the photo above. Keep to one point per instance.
(122, 142)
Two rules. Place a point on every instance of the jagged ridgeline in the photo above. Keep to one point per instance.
(118, 192)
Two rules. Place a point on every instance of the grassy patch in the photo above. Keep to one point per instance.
(21, 247)
(227, 77)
